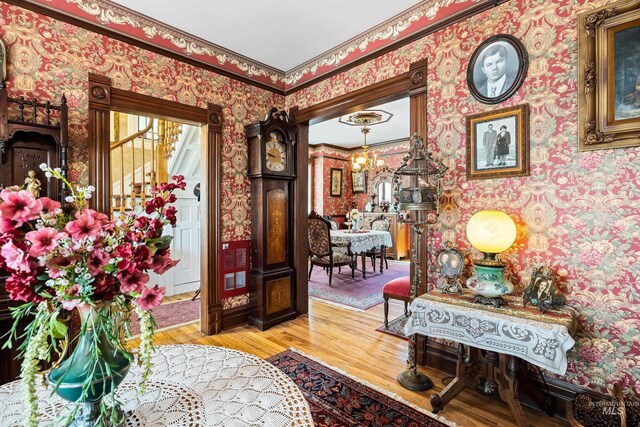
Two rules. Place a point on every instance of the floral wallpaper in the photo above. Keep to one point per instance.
(326, 158)
(577, 212)
(48, 58)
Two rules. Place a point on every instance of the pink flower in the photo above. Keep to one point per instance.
(71, 304)
(132, 281)
(591, 258)
(44, 240)
(591, 354)
(83, 227)
(15, 258)
(96, 261)
(97, 216)
(49, 206)
(7, 225)
(19, 206)
(151, 297)
(162, 263)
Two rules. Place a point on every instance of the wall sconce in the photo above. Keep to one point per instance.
(491, 232)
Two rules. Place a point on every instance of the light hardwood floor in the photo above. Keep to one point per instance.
(348, 340)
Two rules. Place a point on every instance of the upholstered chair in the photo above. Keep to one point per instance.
(381, 223)
(321, 250)
(396, 289)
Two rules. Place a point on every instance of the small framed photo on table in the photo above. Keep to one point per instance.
(498, 143)
(358, 182)
(335, 185)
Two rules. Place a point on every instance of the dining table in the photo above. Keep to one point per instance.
(190, 385)
(362, 241)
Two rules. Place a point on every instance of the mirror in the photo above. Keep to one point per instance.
(383, 191)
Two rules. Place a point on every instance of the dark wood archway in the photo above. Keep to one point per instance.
(412, 84)
(102, 100)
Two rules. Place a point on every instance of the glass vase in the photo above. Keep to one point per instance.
(97, 361)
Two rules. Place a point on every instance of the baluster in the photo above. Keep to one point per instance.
(34, 103)
(21, 107)
(133, 175)
(47, 110)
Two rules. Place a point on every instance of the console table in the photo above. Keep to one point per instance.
(505, 334)
(190, 385)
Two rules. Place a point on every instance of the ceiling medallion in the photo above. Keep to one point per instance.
(362, 161)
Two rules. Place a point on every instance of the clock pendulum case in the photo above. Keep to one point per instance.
(272, 174)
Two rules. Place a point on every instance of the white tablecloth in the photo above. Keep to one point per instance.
(542, 340)
(361, 241)
(191, 385)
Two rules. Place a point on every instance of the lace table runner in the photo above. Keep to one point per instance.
(191, 385)
(361, 242)
(541, 339)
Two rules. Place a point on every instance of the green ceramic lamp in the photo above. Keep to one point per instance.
(491, 232)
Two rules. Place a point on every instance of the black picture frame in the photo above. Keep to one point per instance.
(335, 183)
(502, 48)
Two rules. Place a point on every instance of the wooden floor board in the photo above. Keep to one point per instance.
(347, 340)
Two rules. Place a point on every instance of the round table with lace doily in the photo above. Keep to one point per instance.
(191, 385)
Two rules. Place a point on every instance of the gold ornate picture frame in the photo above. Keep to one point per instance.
(498, 143)
(609, 77)
(335, 186)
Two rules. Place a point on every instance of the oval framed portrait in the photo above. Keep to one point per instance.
(497, 69)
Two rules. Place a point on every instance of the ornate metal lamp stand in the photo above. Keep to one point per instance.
(420, 196)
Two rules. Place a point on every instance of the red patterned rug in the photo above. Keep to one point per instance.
(396, 327)
(171, 315)
(356, 293)
(337, 400)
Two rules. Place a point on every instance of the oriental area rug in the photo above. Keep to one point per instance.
(337, 399)
(356, 293)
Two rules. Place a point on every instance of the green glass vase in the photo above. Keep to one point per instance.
(96, 360)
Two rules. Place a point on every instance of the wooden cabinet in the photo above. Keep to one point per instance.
(398, 233)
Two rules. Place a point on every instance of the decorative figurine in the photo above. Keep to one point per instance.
(542, 291)
(32, 184)
(449, 265)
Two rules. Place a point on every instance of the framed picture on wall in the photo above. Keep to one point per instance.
(497, 68)
(498, 143)
(336, 183)
(358, 182)
(609, 77)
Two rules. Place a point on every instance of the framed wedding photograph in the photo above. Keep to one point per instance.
(335, 185)
(498, 143)
(358, 182)
(609, 77)
(497, 68)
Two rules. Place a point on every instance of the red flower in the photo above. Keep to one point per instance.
(96, 261)
(21, 287)
(83, 227)
(15, 257)
(132, 281)
(49, 206)
(162, 263)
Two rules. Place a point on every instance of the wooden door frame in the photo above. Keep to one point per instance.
(103, 98)
(412, 84)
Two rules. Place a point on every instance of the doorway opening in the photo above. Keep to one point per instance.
(146, 151)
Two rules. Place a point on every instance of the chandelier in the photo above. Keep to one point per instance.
(363, 161)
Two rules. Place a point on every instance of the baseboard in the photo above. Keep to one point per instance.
(444, 358)
(236, 316)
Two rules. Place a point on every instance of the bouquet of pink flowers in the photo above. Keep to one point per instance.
(65, 258)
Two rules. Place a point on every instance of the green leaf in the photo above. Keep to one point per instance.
(163, 242)
(58, 329)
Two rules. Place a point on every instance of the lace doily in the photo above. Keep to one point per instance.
(191, 385)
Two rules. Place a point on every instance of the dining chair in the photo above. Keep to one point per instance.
(321, 250)
(380, 223)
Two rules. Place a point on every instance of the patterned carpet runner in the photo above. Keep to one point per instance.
(336, 400)
(356, 293)
(396, 327)
(171, 315)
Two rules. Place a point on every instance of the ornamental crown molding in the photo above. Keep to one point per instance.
(118, 19)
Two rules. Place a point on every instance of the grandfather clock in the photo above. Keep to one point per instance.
(272, 143)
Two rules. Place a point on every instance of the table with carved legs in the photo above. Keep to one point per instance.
(491, 340)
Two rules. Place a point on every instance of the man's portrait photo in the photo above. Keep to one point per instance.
(497, 68)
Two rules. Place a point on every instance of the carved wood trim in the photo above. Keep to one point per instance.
(412, 82)
(102, 100)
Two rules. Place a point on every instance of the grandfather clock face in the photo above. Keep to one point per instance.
(276, 152)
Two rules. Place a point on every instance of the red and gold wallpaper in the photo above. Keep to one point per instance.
(48, 58)
(577, 212)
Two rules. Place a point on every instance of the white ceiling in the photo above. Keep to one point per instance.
(282, 34)
(334, 133)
